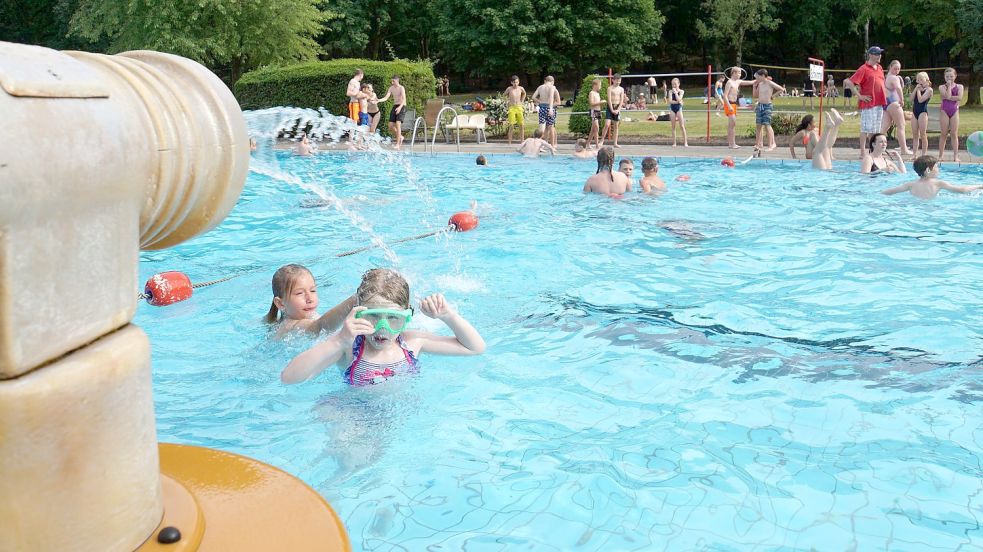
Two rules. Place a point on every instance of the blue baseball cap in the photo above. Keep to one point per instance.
(875, 50)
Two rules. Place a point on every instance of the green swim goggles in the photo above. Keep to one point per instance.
(394, 321)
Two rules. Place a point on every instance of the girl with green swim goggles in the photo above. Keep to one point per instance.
(392, 320)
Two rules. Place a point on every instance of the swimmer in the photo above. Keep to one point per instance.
(606, 180)
(822, 154)
(532, 147)
(380, 320)
(874, 159)
(580, 150)
(304, 147)
(651, 182)
(806, 134)
(480, 160)
(928, 184)
(252, 144)
(627, 167)
(295, 302)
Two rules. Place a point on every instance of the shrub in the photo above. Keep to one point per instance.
(496, 112)
(323, 83)
(784, 124)
(580, 124)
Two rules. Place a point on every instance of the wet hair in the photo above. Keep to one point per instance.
(924, 163)
(872, 138)
(284, 281)
(537, 134)
(625, 162)
(582, 143)
(650, 164)
(605, 160)
(804, 123)
(761, 73)
(480, 160)
(384, 283)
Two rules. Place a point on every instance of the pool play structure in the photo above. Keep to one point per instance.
(765, 357)
(101, 156)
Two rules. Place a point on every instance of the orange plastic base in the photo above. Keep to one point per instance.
(221, 501)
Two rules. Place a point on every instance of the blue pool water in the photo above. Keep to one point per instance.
(766, 358)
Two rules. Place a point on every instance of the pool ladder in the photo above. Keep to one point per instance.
(421, 120)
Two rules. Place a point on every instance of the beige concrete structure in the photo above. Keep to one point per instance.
(99, 156)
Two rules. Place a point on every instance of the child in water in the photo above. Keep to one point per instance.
(295, 302)
(928, 185)
(651, 183)
(380, 319)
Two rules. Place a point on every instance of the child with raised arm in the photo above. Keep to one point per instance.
(928, 184)
(380, 320)
(295, 301)
(731, 91)
(762, 112)
(651, 182)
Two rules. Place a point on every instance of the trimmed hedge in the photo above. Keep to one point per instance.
(323, 83)
(580, 124)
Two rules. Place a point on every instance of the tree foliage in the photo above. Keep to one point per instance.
(239, 33)
(731, 21)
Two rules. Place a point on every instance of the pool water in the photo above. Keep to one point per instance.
(767, 357)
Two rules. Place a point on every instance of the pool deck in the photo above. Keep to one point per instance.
(780, 154)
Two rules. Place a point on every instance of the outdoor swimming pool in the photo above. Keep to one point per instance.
(768, 357)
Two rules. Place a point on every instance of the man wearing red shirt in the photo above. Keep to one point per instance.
(869, 79)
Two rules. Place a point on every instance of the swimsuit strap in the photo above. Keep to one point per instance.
(358, 346)
(407, 352)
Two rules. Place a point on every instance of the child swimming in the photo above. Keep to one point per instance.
(651, 183)
(295, 302)
(380, 319)
(928, 184)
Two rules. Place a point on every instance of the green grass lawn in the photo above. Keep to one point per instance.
(695, 115)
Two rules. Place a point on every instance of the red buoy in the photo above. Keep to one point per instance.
(463, 221)
(682, 178)
(727, 162)
(167, 288)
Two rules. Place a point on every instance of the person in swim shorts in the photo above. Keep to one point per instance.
(616, 99)
(547, 97)
(353, 92)
(397, 92)
(762, 112)
(731, 90)
(594, 101)
(516, 96)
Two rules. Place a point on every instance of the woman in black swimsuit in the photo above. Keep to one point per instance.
(875, 160)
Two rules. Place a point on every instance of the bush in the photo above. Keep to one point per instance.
(323, 83)
(580, 124)
(497, 115)
(784, 124)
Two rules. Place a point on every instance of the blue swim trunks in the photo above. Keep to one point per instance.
(762, 114)
(547, 115)
(363, 119)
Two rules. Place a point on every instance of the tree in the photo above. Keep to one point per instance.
(730, 21)
(605, 35)
(237, 34)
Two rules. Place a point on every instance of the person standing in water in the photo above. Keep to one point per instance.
(606, 180)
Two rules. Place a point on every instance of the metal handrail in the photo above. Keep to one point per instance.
(416, 124)
(436, 126)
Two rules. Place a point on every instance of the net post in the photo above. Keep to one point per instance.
(822, 90)
(710, 93)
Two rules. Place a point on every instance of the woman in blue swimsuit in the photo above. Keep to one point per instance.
(374, 344)
(894, 110)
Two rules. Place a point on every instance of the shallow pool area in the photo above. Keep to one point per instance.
(767, 357)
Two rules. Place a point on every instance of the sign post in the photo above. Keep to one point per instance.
(817, 72)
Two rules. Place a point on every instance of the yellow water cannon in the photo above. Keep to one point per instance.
(101, 156)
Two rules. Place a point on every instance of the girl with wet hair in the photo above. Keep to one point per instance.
(295, 302)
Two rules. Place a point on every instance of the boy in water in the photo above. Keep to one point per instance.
(532, 147)
(580, 150)
(595, 101)
(627, 167)
(651, 183)
(731, 91)
(606, 180)
(616, 98)
(548, 98)
(398, 93)
(765, 88)
(516, 97)
(928, 185)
